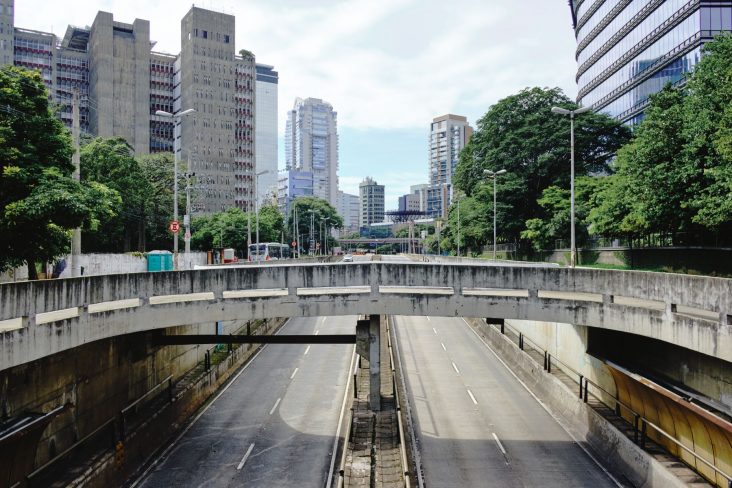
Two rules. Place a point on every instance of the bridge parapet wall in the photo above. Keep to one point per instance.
(43, 317)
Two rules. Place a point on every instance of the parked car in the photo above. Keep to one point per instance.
(348, 258)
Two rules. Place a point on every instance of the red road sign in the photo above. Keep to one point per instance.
(294, 244)
(174, 226)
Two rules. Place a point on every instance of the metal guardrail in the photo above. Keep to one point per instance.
(640, 423)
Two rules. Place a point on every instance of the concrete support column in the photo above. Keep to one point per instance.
(368, 345)
(375, 362)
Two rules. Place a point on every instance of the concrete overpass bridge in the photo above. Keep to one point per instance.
(42, 318)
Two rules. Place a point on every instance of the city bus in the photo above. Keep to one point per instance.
(268, 251)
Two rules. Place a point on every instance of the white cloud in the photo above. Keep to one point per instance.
(381, 63)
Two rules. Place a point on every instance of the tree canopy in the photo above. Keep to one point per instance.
(40, 204)
(521, 135)
(321, 210)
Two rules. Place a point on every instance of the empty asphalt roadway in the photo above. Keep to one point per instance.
(476, 424)
(275, 425)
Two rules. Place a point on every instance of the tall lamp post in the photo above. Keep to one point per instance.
(571, 113)
(494, 176)
(311, 241)
(256, 207)
(176, 119)
(325, 237)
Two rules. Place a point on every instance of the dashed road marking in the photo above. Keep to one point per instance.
(317, 332)
(472, 397)
(294, 373)
(246, 456)
(434, 330)
(443, 346)
(454, 366)
(275, 406)
(498, 441)
(307, 350)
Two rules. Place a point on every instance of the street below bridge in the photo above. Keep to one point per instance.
(475, 423)
(274, 425)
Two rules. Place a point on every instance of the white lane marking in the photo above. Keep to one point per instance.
(454, 366)
(498, 441)
(275, 406)
(322, 321)
(561, 424)
(334, 450)
(200, 414)
(294, 373)
(428, 319)
(317, 332)
(443, 346)
(472, 397)
(244, 459)
(307, 350)
(434, 330)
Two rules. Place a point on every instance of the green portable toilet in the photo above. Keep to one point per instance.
(160, 261)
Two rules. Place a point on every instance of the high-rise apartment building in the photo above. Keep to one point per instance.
(421, 192)
(628, 50)
(122, 83)
(448, 136)
(266, 133)
(371, 195)
(219, 85)
(311, 144)
(348, 209)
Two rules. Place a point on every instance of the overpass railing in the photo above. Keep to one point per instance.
(640, 422)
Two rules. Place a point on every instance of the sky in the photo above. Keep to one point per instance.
(387, 66)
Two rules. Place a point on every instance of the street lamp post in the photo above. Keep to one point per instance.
(458, 229)
(571, 113)
(176, 118)
(494, 176)
(256, 206)
(187, 216)
(325, 237)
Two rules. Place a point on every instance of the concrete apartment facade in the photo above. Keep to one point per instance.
(266, 130)
(371, 196)
(311, 145)
(626, 51)
(122, 82)
(448, 136)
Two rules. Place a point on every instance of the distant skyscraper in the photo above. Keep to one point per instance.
(448, 136)
(311, 144)
(266, 133)
(371, 195)
(348, 209)
(421, 192)
(628, 50)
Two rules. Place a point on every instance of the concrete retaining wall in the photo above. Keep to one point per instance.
(99, 379)
(610, 445)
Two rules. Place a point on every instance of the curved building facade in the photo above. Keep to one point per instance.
(630, 49)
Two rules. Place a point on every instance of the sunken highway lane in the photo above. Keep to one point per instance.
(475, 423)
(274, 425)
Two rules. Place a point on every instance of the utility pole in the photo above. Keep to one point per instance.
(458, 229)
(76, 159)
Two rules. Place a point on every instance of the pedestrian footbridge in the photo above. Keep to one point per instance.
(41, 318)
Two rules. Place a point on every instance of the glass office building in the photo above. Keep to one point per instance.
(630, 49)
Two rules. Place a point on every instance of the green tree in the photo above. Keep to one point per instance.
(157, 171)
(110, 161)
(40, 204)
(321, 209)
(522, 135)
(271, 224)
(708, 132)
(223, 229)
(554, 222)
